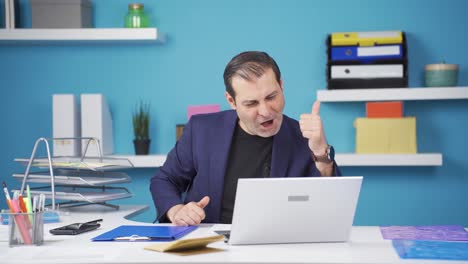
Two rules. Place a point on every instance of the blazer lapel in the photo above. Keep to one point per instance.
(220, 159)
(281, 152)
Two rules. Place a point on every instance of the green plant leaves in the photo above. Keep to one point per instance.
(140, 120)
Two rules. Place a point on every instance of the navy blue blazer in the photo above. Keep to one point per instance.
(197, 164)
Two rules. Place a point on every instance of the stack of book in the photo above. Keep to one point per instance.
(367, 60)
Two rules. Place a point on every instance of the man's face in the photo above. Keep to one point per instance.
(259, 104)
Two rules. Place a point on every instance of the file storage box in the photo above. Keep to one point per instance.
(61, 13)
(360, 60)
(367, 83)
(386, 135)
(371, 38)
(366, 55)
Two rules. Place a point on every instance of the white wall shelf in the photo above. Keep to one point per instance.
(143, 161)
(392, 94)
(26, 35)
(343, 160)
(420, 159)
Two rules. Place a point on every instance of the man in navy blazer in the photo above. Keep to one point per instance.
(198, 181)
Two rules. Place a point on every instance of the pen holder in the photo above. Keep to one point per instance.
(26, 229)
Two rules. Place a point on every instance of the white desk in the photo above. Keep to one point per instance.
(365, 246)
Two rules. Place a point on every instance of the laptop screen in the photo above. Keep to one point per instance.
(294, 210)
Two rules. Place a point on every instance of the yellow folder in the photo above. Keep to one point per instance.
(185, 244)
(366, 38)
(386, 135)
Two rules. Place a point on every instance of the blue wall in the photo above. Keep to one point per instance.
(187, 70)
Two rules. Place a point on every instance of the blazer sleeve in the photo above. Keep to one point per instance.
(314, 172)
(336, 170)
(175, 176)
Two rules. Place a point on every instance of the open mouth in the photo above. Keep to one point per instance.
(267, 123)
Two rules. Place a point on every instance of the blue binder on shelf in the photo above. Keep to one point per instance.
(145, 233)
(367, 54)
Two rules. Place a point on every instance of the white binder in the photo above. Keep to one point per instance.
(12, 14)
(7, 14)
(66, 123)
(96, 122)
(366, 71)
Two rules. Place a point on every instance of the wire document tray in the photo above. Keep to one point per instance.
(83, 180)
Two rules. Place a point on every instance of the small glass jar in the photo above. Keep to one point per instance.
(136, 16)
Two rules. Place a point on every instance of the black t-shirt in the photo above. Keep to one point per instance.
(249, 157)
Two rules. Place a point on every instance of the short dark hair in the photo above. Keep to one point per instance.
(248, 64)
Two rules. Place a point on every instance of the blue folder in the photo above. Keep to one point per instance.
(145, 233)
(350, 53)
(423, 249)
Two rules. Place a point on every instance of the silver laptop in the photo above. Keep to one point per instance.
(294, 210)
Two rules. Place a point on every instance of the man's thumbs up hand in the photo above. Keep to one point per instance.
(188, 214)
(312, 129)
(203, 202)
(316, 108)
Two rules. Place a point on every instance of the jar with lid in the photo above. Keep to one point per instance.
(136, 16)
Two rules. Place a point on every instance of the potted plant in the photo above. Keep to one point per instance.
(141, 119)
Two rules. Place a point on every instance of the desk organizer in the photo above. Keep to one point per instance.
(358, 60)
(75, 180)
(26, 229)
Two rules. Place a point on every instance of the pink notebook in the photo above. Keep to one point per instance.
(202, 109)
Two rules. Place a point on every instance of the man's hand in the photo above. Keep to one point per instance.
(312, 129)
(189, 214)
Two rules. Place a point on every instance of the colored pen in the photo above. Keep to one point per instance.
(5, 190)
(28, 204)
(7, 196)
(28, 199)
(22, 204)
(42, 199)
(28, 192)
(34, 205)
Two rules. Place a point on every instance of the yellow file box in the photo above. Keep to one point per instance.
(366, 38)
(386, 135)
